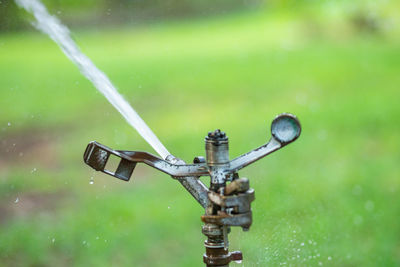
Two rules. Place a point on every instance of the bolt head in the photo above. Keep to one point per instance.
(217, 135)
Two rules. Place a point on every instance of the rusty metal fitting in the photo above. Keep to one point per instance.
(240, 202)
(221, 257)
(239, 185)
(217, 135)
(211, 230)
(217, 148)
(224, 219)
(235, 210)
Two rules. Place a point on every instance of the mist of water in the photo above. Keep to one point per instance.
(51, 26)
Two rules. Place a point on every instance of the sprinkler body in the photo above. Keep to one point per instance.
(227, 201)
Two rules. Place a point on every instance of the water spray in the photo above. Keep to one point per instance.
(59, 33)
(227, 201)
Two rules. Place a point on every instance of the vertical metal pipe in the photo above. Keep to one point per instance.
(217, 157)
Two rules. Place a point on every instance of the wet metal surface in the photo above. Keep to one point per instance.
(227, 202)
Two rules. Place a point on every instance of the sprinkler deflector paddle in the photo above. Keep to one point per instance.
(227, 202)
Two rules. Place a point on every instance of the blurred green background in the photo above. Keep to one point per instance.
(188, 67)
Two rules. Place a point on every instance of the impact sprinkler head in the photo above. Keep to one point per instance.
(227, 201)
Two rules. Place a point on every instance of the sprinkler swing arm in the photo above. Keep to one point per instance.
(96, 156)
(226, 204)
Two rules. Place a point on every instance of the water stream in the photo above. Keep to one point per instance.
(51, 26)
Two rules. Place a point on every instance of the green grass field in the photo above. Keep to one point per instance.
(331, 198)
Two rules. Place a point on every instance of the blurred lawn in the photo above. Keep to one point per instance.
(331, 198)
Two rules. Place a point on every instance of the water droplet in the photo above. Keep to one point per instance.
(84, 242)
(33, 170)
(369, 205)
(169, 207)
(358, 220)
(302, 244)
(17, 200)
(91, 180)
(9, 124)
(301, 99)
(357, 190)
(329, 258)
(320, 263)
(53, 240)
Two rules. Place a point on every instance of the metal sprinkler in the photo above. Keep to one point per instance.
(227, 202)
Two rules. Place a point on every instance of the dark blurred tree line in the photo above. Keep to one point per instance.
(95, 12)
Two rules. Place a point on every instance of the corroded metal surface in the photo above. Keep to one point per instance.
(227, 202)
